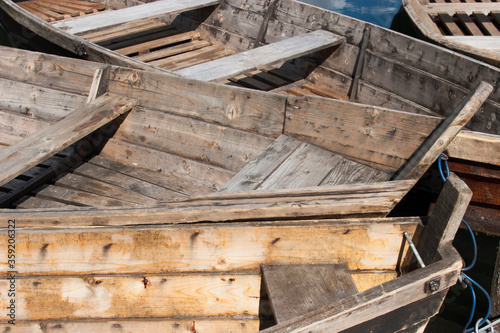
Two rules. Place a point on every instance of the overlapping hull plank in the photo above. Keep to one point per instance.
(189, 275)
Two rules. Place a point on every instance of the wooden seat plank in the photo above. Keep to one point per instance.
(250, 60)
(295, 290)
(46, 142)
(123, 30)
(487, 25)
(107, 19)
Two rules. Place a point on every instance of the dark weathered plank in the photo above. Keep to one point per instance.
(295, 290)
(46, 142)
(437, 142)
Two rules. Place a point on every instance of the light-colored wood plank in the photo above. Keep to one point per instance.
(296, 290)
(124, 15)
(212, 144)
(193, 55)
(358, 199)
(246, 324)
(255, 172)
(469, 8)
(100, 82)
(450, 24)
(484, 42)
(173, 50)
(117, 297)
(46, 142)
(469, 25)
(475, 146)
(325, 92)
(263, 56)
(205, 55)
(349, 172)
(485, 22)
(372, 246)
(437, 142)
(15, 127)
(34, 202)
(123, 30)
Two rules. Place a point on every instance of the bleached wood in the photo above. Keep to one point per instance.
(250, 60)
(107, 19)
(475, 146)
(46, 142)
(100, 82)
(469, 8)
(483, 42)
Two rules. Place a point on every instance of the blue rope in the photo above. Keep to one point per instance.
(471, 283)
(477, 285)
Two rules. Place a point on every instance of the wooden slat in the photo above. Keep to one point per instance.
(193, 56)
(36, 11)
(172, 50)
(124, 15)
(41, 145)
(475, 146)
(358, 199)
(324, 91)
(295, 290)
(469, 8)
(205, 55)
(469, 25)
(449, 23)
(177, 173)
(349, 172)
(34, 202)
(255, 172)
(42, 103)
(263, 56)
(143, 47)
(484, 42)
(212, 144)
(437, 142)
(126, 29)
(376, 137)
(486, 24)
(250, 82)
(445, 219)
(15, 127)
(100, 83)
(207, 247)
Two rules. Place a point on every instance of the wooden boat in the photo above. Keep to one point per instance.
(466, 26)
(346, 275)
(156, 137)
(308, 51)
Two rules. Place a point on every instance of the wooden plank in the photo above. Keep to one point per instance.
(249, 82)
(34, 202)
(172, 50)
(100, 82)
(212, 144)
(206, 56)
(160, 184)
(469, 8)
(437, 142)
(207, 247)
(97, 187)
(263, 56)
(107, 19)
(360, 61)
(55, 137)
(245, 324)
(188, 58)
(117, 177)
(268, 77)
(470, 26)
(236, 108)
(450, 25)
(484, 22)
(255, 172)
(62, 7)
(475, 146)
(484, 42)
(123, 30)
(295, 290)
(325, 92)
(344, 200)
(116, 297)
(349, 172)
(15, 127)
(41, 103)
(445, 219)
(381, 137)
(307, 166)
(162, 42)
(177, 173)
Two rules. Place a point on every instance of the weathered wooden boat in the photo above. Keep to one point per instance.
(307, 51)
(470, 27)
(344, 275)
(169, 138)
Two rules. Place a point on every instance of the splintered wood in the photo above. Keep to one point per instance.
(53, 10)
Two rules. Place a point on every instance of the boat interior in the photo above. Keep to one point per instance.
(185, 137)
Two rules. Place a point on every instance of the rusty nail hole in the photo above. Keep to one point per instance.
(145, 280)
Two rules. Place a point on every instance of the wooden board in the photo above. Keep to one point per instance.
(107, 19)
(366, 199)
(48, 141)
(250, 60)
(295, 290)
